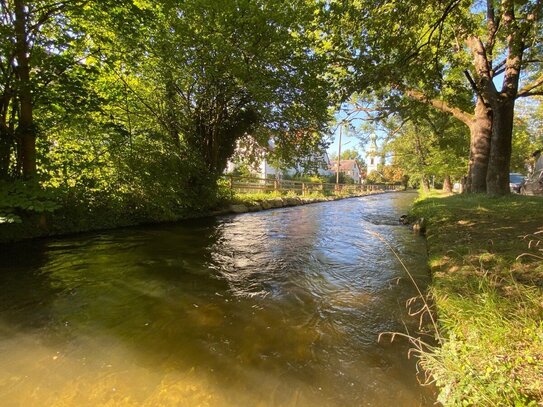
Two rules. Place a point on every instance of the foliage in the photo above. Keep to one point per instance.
(349, 154)
(21, 198)
(343, 179)
(427, 144)
(304, 178)
(242, 170)
(228, 69)
(304, 151)
(385, 174)
(527, 136)
(427, 54)
(488, 296)
(138, 105)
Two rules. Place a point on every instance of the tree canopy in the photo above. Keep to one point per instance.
(128, 97)
(470, 60)
(132, 100)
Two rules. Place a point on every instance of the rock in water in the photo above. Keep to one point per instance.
(420, 226)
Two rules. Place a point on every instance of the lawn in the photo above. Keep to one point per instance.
(486, 257)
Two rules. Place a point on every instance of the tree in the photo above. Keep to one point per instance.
(448, 55)
(25, 51)
(349, 154)
(139, 104)
(427, 144)
(507, 45)
(342, 179)
(527, 136)
(222, 71)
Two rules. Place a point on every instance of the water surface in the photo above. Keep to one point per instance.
(275, 308)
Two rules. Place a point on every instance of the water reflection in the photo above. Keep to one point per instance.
(274, 308)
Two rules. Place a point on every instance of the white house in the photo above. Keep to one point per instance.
(263, 169)
(348, 167)
(266, 170)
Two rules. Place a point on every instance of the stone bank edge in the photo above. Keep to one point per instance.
(282, 202)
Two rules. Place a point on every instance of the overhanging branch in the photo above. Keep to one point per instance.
(441, 105)
(530, 89)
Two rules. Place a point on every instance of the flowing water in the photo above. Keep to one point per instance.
(275, 308)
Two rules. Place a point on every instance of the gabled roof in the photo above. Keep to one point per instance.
(345, 165)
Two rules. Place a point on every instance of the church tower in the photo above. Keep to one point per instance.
(371, 155)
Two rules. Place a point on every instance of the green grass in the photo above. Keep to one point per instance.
(256, 197)
(486, 255)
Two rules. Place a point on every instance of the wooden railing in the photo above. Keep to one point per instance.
(253, 184)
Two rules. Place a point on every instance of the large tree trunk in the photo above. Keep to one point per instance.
(497, 178)
(171, 118)
(26, 128)
(503, 104)
(5, 150)
(425, 184)
(447, 184)
(481, 132)
(5, 136)
(4, 153)
(480, 125)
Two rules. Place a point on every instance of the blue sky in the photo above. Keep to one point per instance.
(348, 142)
(349, 139)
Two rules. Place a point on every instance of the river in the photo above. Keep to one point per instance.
(273, 308)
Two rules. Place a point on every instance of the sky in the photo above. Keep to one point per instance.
(349, 139)
(348, 142)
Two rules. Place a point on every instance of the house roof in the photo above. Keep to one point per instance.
(344, 165)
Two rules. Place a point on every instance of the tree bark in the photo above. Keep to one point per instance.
(503, 102)
(480, 135)
(497, 178)
(26, 130)
(171, 115)
(5, 136)
(4, 152)
(447, 184)
(480, 125)
(425, 184)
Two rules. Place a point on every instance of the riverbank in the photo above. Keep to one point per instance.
(79, 219)
(486, 257)
(242, 203)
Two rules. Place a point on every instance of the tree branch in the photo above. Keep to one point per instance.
(475, 89)
(429, 33)
(515, 50)
(480, 56)
(528, 89)
(441, 105)
(498, 68)
(529, 94)
(493, 25)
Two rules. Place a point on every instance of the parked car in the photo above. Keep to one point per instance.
(533, 185)
(457, 187)
(515, 180)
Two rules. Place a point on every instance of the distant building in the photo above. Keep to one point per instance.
(263, 169)
(266, 170)
(372, 155)
(348, 167)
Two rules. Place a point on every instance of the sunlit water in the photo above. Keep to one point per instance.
(275, 308)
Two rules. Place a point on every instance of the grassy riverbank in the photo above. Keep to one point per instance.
(486, 255)
(69, 218)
